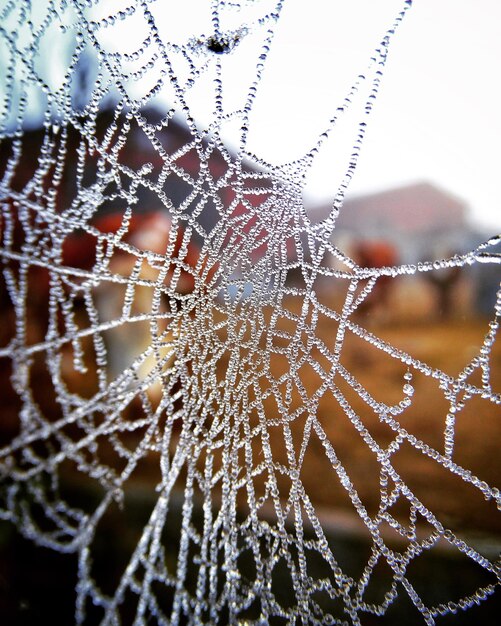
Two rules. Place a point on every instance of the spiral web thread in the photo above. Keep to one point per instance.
(208, 369)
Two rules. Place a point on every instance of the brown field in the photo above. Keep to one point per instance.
(445, 345)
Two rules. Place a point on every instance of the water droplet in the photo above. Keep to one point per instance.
(408, 389)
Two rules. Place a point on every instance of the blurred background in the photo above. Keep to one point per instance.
(426, 188)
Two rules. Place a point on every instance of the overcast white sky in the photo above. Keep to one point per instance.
(437, 115)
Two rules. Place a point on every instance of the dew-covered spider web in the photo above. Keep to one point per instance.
(192, 392)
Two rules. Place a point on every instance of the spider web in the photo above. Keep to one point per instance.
(176, 325)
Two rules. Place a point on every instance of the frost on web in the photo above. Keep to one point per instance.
(176, 332)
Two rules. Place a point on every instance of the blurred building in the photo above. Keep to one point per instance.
(413, 223)
(421, 220)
